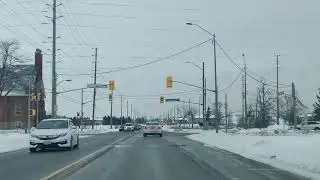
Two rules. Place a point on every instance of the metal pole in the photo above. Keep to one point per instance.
(29, 93)
(81, 120)
(38, 111)
(121, 111)
(242, 101)
(94, 89)
(111, 112)
(245, 91)
(278, 111)
(131, 114)
(216, 84)
(226, 111)
(294, 106)
(203, 100)
(127, 108)
(54, 74)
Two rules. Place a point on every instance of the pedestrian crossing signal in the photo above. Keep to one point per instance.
(161, 99)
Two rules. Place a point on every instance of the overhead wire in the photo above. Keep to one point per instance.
(150, 62)
(248, 74)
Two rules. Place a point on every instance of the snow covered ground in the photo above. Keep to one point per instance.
(12, 140)
(182, 129)
(288, 150)
(98, 129)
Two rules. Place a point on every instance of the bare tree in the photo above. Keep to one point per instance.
(187, 113)
(8, 57)
(264, 107)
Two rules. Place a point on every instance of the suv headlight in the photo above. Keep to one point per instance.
(33, 135)
(64, 134)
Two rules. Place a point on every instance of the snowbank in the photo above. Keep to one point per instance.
(177, 129)
(13, 141)
(298, 154)
(98, 129)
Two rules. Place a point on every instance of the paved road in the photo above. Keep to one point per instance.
(26, 166)
(174, 157)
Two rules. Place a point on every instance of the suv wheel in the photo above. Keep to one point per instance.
(71, 144)
(316, 128)
(33, 150)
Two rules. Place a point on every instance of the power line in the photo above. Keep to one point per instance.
(232, 83)
(233, 62)
(147, 63)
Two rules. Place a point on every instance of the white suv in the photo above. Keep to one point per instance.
(152, 128)
(128, 127)
(309, 125)
(54, 133)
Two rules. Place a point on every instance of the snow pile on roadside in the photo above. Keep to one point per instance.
(13, 141)
(298, 154)
(98, 129)
(176, 129)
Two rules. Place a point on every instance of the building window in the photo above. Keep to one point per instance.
(18, 109)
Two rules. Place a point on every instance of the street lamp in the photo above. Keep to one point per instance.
(203, 92)
(215, 72)
(66, 80)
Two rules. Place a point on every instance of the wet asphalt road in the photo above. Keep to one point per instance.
(22, 165)
(173, 157)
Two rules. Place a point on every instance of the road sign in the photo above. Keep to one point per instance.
(97, 86)
(111, 85)
(172, 100)
(169, 81)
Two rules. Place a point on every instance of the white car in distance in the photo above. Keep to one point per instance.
(54, 133)
(152, 128)
(309, 125)
(129, 127)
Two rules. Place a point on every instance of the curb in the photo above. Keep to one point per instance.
(75, 166)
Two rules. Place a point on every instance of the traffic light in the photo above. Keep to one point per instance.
(32, 112)
(38, 96)
(110, 97)
(161, 99)
(33, 96)
(169, 82)
(111, 85)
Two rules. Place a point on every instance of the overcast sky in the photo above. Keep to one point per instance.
(129, 33)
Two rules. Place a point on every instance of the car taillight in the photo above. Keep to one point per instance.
(145, 127)
(159, 127)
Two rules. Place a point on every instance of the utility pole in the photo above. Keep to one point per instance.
(245, 91)
(203, 100)
(54, 74)
(127, 109)
(226, 110)
(81, 121)
(131, 114)
(190, 113)
(294, 106)
(216, 85)
(121, 111)
(94, 89)
(111, 111)
(199, 107)
(278, 111)
(242, 100)
(29, 94)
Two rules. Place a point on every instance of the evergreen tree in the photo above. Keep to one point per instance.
(316, 106)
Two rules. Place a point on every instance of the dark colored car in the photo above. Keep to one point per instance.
(121, 127)
(137, 127)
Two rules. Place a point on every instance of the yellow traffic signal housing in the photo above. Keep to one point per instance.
(32, 112)
(33, 96)
(39, 96)
(111, 85)
(161, 99)
(169, 82)
(110, 97)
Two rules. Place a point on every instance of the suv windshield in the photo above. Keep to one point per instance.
(128, 124)
(54, 124)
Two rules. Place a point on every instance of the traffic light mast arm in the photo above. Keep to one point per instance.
(192, 85)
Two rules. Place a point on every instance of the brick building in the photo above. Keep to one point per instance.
(18, 80)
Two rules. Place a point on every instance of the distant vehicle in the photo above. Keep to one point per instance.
(121, 128)
(54, 133)
(309, 125)
(128, 127)
(152, 128)
(137, 127)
